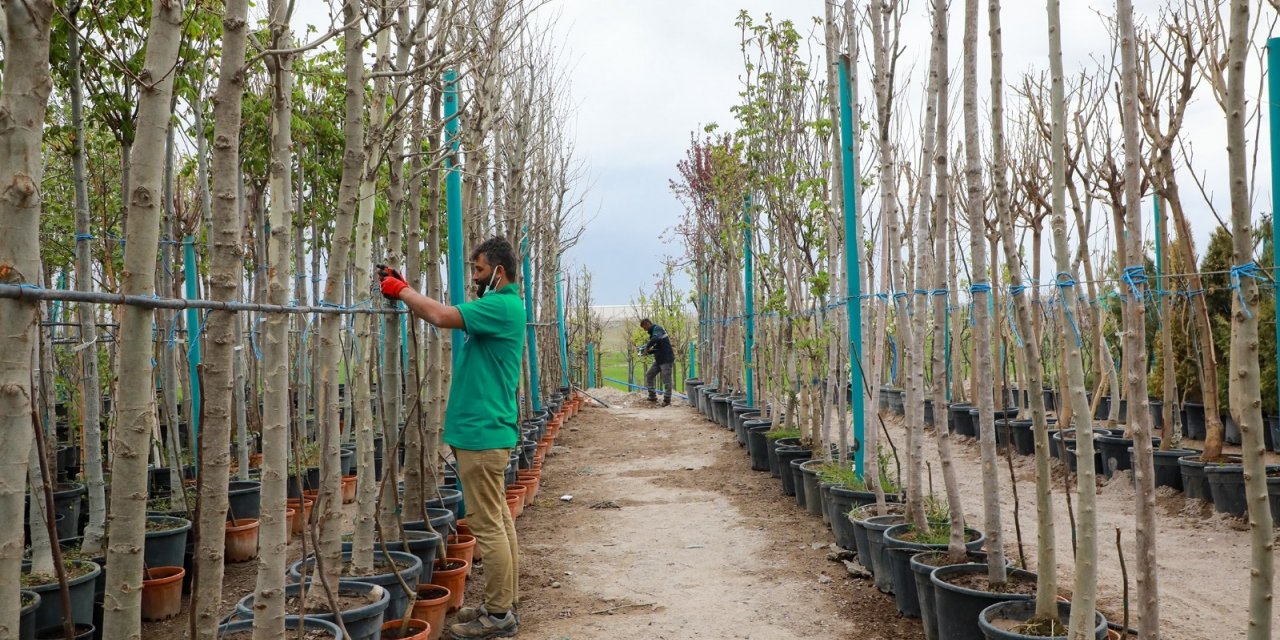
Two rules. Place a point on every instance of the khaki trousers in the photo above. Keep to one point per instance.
(483, 478)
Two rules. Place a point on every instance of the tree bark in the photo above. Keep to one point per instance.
(273, 532)
(330, 348)
(980, 288)
(1245, 385)
(122, 617)
(226, 271)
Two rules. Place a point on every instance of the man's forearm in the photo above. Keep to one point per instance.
(432, 310)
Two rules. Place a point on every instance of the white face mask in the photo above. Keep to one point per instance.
(482, 289)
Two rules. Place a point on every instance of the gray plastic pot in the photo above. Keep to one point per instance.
(27, 619)
(362, 623)
(876, 526)
(957, 608)
(797, 480)
(450, 499)
(66, 502)
(310, 623)
(899, 553)
(244, 499)
(424, 544)
(165, 548)
(1023, 610)
(921, 570)
(49, 611)
(399, 602)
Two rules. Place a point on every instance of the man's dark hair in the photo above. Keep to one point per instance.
(498, 252)
(644, 321)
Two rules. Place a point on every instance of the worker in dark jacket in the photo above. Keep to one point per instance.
(664, 358)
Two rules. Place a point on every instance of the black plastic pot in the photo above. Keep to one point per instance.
(82, 631)
(1115, 454)
(928, 412)
(450, 499)
(49, 610)
(1050, 399)
(244, 499)
(164, 548)
(720, 409)
(1023, 610)
(1193, 421)
(362, 623)
(1226, 487)
(310, 624)
(812, 494)
(424, 544)
(899, 555)
(1273, 494)
(704, 399)
(785, 457)
(27, 618)
(920, 571)
(797, 481)
(66, 502)
(961, 419)
(442, 521)
(1104, 408)
(738, 413)
(843, 500)
(1023, 436)
(757, 443)
(1271, 432)
(876, 526)
(957, 608)
(1195, 483)
(691, 390)
(348, 461)
(771, 456)
(399, 602)
(1168, 471)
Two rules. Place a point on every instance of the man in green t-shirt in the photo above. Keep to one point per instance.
(482, 421)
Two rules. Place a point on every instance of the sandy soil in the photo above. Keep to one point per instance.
(698, 545)
(1203, 556)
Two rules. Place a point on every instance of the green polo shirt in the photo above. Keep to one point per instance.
(482, 412)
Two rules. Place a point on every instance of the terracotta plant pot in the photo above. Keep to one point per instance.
(413, 629)
(255, 460)
(513, 504)
(454, 579)
(311, 494)
(463, 528)
(431, 606)
(530, 484)
(162, 593)
(522, 492)
(461, 546)
(305, 505)
(242, 540)
(348, 489)
(290, 519)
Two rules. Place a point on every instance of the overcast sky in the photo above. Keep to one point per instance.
(647, 73)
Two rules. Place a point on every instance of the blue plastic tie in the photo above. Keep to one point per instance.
(1065, 281)
(922, 292)
(84, 236)
(940, 292)
(1246, 270)
(980, 287)
(1135, 276)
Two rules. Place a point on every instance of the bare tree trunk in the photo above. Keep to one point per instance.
(980, 288)
(122, 617)
(1135, 343)
(273, 532)
(86, 315)
(225, 275)
(941, 252)
(330, 348)
(1086, 537)
(1245, 386)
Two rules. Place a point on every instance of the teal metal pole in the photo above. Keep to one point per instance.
(564, 342)
(1155, 202)
(531, 337)
(591, 365)
(453, 202)
(749, 281)
(193, 338)
(853, 277)
(1273, 82)
(693, 361)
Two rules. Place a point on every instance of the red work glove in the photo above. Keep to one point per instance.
(392, 282)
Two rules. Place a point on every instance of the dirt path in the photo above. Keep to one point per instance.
(698, 546)
(1203, 556)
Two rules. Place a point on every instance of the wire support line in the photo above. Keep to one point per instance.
(31, 292)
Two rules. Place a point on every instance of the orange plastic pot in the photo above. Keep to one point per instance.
(305, 505)
(255, 460)
(290, 519)
(311, 494)
(348, 489)
(513, 504)
(431, 606)
(413, 629)
(522, 491)
(461, 546)
(452, 575)
(530, 484)
(242, 540)
(463, 527)
(162, 593)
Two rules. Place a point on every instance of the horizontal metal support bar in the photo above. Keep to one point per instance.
(17, 292)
